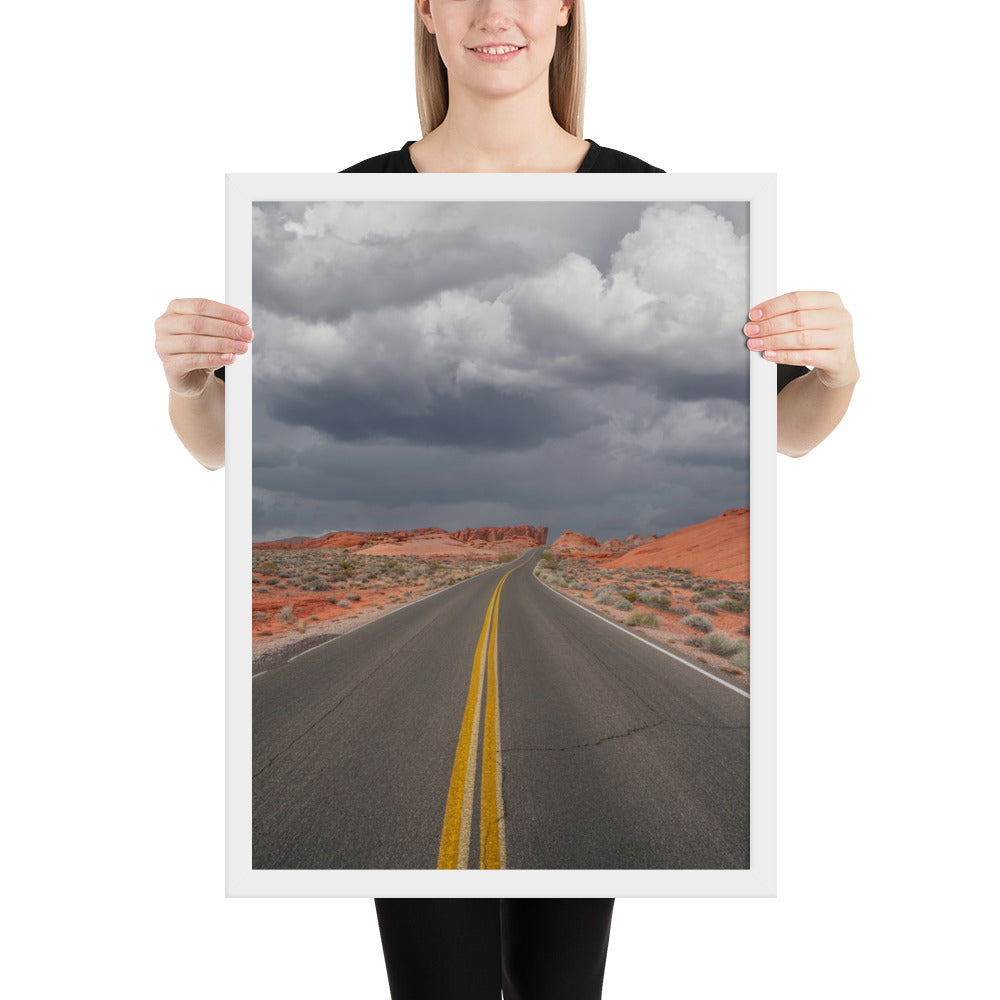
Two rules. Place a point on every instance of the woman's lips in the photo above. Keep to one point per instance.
(496, 53)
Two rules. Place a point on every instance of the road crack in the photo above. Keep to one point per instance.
(623, 735)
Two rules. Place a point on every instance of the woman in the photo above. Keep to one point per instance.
(500, 89)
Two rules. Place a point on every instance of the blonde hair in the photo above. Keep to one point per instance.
(567, 75)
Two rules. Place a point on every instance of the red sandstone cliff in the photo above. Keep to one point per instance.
(523, 533)
(574, 540)
(718, 547)
(505, 534)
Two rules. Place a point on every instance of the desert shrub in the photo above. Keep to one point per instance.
(606, 595)
(698, 641)
(700, 622)
(354, 597)
(741, 658)
(733, 605)
(317, 585)
(708, 607)
(724, 645)
(745, 629)
(653, 599)
(260, 616)
(271, 581)
(347, 566)
(708, 592)
(622, 604)
(641, 618)
(506, 557)
(631, 597)
(255, 579)
(286, 614)
(556, 579)
(343, 604)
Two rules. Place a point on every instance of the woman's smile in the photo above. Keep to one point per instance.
(495, 53)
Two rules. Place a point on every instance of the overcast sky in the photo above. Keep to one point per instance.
(452, 365)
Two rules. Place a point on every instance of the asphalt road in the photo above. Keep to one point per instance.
(496, 724)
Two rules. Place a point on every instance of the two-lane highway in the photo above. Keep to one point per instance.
(497, 725)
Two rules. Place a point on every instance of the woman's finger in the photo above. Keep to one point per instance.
(189, 344)
(792, 302)
(206, 307)
(181, 364)
(800, 340)
(799, 320)
(835, 361)
(186, 324)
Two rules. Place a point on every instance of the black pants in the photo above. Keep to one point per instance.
(466, 949)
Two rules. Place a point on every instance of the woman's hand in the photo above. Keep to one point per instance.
(813, 329)
(806, 328)
(194, 337)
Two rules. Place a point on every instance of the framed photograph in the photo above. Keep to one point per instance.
(500, 537)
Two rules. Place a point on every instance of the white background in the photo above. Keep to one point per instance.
(120, 122)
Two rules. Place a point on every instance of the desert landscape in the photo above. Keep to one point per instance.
(688, 590)
(308, 590)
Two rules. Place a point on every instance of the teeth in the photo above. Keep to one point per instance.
(498, 50)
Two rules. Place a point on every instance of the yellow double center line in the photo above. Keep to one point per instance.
(457, 831)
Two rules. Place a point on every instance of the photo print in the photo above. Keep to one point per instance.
(500, 536)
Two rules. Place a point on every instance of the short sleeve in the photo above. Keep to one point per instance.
(788, 373)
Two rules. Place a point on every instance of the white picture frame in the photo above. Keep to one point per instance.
(759, 879)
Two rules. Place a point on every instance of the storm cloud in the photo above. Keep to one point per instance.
(456, 364)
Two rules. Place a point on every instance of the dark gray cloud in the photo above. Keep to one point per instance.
(452, 364)
(480, 417)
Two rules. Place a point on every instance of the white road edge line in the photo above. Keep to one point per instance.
(652, 645)
(380, 618)
(501, 809)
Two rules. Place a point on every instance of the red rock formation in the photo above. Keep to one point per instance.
(334, 540)
(523, 534)
(718, 547)
(574, 540)
(634, 540)
(536, 535)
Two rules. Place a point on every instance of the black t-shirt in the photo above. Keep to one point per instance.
(599, 160)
